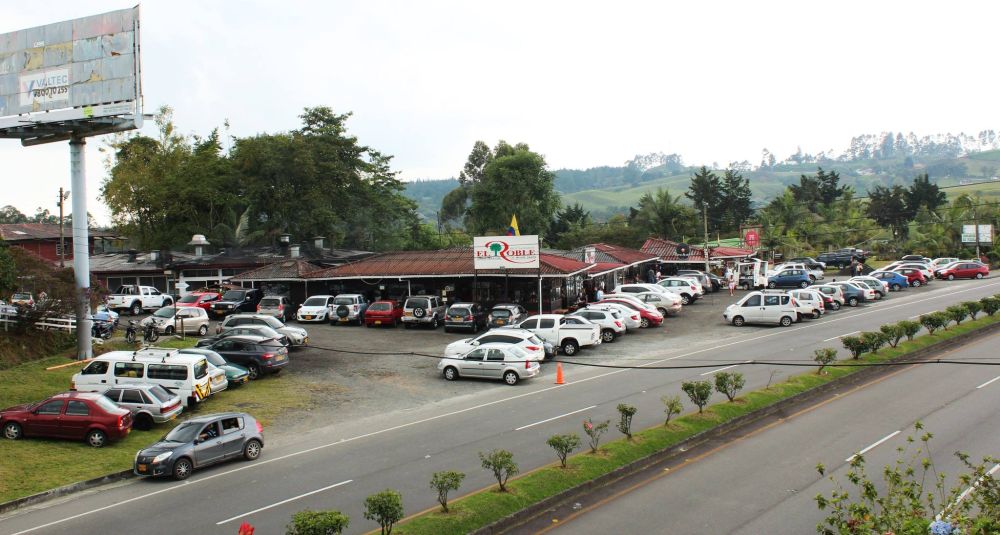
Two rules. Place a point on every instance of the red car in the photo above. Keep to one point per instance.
(199, 299)
(963, 270)
(386, 312)
(85, 416)
(914, 276)
(646, 317)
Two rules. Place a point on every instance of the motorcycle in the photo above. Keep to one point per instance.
(151, 332)
(130, 331)
(102, 329)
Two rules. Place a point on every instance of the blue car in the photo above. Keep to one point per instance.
(789, 278)
(895, 280)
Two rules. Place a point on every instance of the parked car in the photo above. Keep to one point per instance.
(469, 316)
(22, 299)
(184, 375)
(87, 416)
(894, 280)
(257, 354)
(665, 303)
(528, 341)
(647, 318)
(878, 291)
(279, 306)
(568, 333)
(149, 404)
(348, 308)
(760, 307)
(235, 374)
(855, 294)
(809, 261)
(200, 442)
(491, 361)
(703, 279)
(789, 278)
(833, 296)
(939, 263)
(915, 276)
(963, 270)
(842, 258)
(630, 318)
(610, 322)
(297, 336)
(245, 330)
(317, 308)
(202, 300)
(814, 274)
(236, 301)
(189, 320)
(810, 300)
(506, 314)
(423, 310)
(917, 258)
(683, 287)
(385, 312)
(135, 299)
(925, 269)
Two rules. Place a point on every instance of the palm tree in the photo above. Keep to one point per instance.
(662, 214)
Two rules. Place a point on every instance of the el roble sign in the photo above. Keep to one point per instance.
(505, 252)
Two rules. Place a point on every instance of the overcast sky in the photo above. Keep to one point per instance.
(585, 84)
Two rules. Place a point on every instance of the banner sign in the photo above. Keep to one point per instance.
(505, 252)
(969, 234)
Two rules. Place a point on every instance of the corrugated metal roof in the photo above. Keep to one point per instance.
(666, 250)
(289, 269)
(43, 231)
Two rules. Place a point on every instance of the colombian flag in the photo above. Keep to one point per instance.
(512, 230)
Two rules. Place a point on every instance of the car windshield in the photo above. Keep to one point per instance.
(272, 322)
(271, 302)
(271, 343)
(184, 432)
(187, 299)
(200, 369)
(343, 301)
(458, 311)
(416, 303)
(161, 393)
(233, 295)
(535, 340)
(21, 297)
(380, 307)
(165, 312)
(500, 313)
(106, 404)
(316, 302)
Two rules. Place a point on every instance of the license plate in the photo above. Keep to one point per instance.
(408, 314)
(172, 416)
(456, 318)
(142, 468)
(378, 322)
(343, 320)
(499, 322)
(307, 317)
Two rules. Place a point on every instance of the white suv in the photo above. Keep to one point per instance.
(811, 301)
(610, 321)
(758, 307)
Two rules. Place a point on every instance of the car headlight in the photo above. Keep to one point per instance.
(162, 457)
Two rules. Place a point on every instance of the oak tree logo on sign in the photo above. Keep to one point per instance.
(502, 249)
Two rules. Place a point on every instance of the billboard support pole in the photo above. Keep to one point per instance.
(81, 249)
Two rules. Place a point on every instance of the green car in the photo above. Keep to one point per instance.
(235, 374)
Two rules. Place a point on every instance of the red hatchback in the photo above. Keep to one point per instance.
(74, 415)
(646, 317)
(963, 270)
(386, 312)
(914, 276)
(199, 299)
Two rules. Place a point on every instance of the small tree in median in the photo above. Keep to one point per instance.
(990, 305)
(957, 313)
(501, 463)
(445, 482)
(873, 340)
(317, 523)
(699, 392)
(729, 384)
(943, 319)
(594, 432)
(893, 333)
(564, 445)
(625, 413)
(671, 406)
(824, 357)
(910, 328)
(974, 307)
(931, 322)
(384, 507)
(854, 344)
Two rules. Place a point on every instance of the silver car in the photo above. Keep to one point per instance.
(296, 335)
(149, 403)
(200, 442)
(491, 361)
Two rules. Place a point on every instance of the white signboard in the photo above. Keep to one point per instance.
(45, 87)
(505, 252)
(985, 234)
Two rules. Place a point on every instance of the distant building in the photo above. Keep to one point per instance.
(43, 239)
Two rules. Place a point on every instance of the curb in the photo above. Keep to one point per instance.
(65, 490)
(529, 513)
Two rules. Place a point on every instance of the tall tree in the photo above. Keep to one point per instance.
(705, 192)
(829, 186)
(516, 181)
(570, 217)
(476, 164)
(923, 194)
(887, 206)
(9, 214)
(663, 215)
(734, 203)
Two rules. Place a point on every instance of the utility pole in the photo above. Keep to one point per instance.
(975, 221)
(63, 195)
(704, 216)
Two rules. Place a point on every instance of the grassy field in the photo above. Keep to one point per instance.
(33, 465)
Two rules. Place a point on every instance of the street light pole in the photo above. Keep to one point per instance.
(63, 195)
(704, 215)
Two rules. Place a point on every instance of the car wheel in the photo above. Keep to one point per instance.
(450, 373)
(254, 370)
(771, 285)
(745, 286)
(685, 299)
(663, 312)
(434, 322)
(895, 287)
(951, 276)
(979, 275)
(785, 321)
(739, 321)
(143, 422)
(852, 301)
(169, 330)
(835, 305)
(569, 348)
(916, 284)
(252, 450)
(97, 438)
(644, 323)
(203, 330)
(607, 336)
(510, 378)
(136, 309)
(815, 314)
(12, 431)
(167, 302)
(803, 284)
(182, 468)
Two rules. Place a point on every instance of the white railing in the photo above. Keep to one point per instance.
(47, 323)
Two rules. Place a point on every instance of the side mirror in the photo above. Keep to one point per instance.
(475, 342)
(197, 441)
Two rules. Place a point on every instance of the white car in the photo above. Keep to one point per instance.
(610, 321)
(939, 263)
(687, 288)
(699, 288)
(809, 300)
(568, 333)
(758, 307)
(834, 292)
(878, 291)
(529, 342)
(296, 335)
(868, 278)
(814, 274)
(317, 308)
(665, 303)
(630, 317)
(171, 319)
(639, 287)
(491, 361)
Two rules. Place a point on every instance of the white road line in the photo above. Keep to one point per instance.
(720, 369)
(283, 502)
(873, 446)
(988, 382)
(841, 335)
(554, 418)
(74, 517)
(969, 490)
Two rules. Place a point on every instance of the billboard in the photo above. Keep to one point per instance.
(72, 70)
(969, 234)
(505, 252)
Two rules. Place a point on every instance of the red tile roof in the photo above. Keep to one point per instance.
(448, 262)
(666, 250)
(625, 255)
(280, 270)
(604, 267)
(42, 231)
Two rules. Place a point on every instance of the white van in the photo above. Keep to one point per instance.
(184, 374)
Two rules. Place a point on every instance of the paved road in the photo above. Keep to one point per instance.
(766, 482)
(337, 466)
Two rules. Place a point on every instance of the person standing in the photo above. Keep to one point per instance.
(731, 281)
(859, 269)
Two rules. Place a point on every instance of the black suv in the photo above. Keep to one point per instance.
(809, 261)
(255, 353)
(235, 301)
(465, 316)
(843, 257)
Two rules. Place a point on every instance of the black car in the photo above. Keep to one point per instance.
(235, 301)
(470, 316)
(843, 257)
(257, 354)
(809, 261)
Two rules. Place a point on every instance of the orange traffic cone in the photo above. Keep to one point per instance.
(559, 374)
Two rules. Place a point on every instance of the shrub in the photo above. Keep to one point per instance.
(564, 445)
(931, 322)
(699, 392)
(824, 357)
(990, 305)
(854, 344)
(445, 482)
(943, 319)
(910, 328)
(317, 523)
(873, 341)
(384, 507)
(671, 406)
(958, 313)
(893, 333)
(625, 413)
(729, 384)
(974, 307)
(501, 463)
(594, 432)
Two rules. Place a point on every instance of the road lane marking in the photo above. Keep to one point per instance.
(720, 369)
(873, 446)
(988, 382)
(971, 488)
(841, 335)
(555, 418)
(283, 502)
(116, 504)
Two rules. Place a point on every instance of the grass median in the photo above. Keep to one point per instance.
(486, 506)
(35, 465)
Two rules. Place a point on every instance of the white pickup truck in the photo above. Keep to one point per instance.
(135, 299)
(568, 333)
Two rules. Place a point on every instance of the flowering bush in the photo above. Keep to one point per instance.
(594, 432)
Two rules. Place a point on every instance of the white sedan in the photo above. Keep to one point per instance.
(528, 341)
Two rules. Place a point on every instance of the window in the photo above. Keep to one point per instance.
(771, 300)
(51, 407)
(530, 324)
(167, 372)
(476, 355)
(200, 369)
(210, 431)
(231, 425)
(134, 396)
(77, 408)
(97, 367)
(113, 394)
(128, 369)
(546, 323)
(752, 301)
(495, 355)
